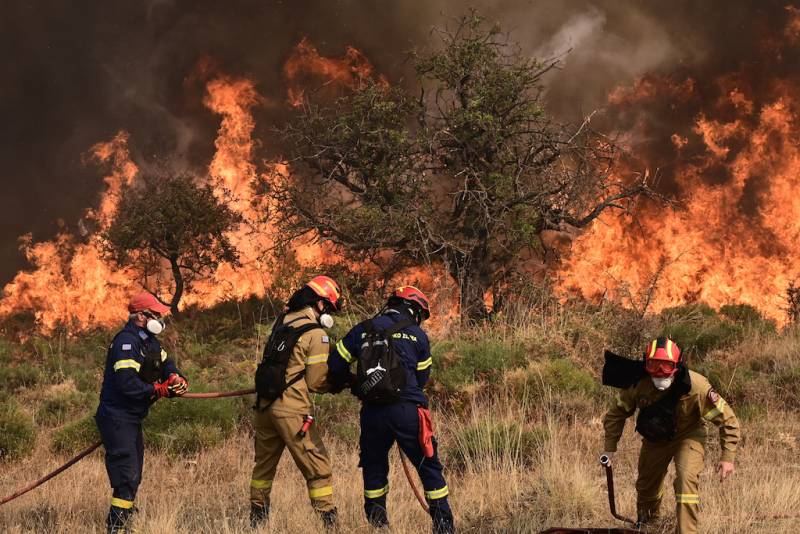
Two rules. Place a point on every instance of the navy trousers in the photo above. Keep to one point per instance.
(124, 445)
(381, 427)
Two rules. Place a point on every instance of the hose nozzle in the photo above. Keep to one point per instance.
(604, 460)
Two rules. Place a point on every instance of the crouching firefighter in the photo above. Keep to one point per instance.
(675, 405)
(393, 361)
(293, 367)
(137, 373)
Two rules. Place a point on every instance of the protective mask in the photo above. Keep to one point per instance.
(326, 320)
(662, 383)
(155, 326)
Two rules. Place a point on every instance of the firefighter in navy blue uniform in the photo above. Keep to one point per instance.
(383, 424)
(137, 373)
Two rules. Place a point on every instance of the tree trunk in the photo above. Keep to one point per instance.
(177, 277)
(474, 280)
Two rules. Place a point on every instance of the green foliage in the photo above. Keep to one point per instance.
(184, 426)
(748, 316)
(495, 442)
(561, 376)
(170, 217)
(20, 376)
(698, 329)
(468, 174)
(17, 432)
(74, 436)
(63, 406)
(462, 362)
(787, 384)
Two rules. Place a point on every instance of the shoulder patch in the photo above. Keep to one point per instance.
(127, 346)
(326, 339)
(142, 334)
(713, 396)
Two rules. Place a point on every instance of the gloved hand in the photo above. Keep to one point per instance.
(177, 385)
(162, 390)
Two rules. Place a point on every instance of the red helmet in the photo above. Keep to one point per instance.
(412, 294)
(146, 301)
(326, 288)
(661, 358)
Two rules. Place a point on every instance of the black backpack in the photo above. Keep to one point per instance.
(657, 422)
(271, 372)
(380, 374)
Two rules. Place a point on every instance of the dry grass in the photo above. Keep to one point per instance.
(562, 486)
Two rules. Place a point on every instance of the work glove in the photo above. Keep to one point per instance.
(161, 390)
(177, 385)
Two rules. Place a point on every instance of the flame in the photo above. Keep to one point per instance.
(733, 236)
(70, 284)
(305, 67)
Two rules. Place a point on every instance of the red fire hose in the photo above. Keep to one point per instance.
(605, 461)
(414, 488)
(211, 395)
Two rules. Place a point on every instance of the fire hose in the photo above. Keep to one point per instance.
(210, 395)
(605, 461)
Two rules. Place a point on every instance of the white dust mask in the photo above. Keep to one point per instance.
(326, 320)
(662, 383)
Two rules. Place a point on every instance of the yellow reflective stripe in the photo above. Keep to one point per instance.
(652, 349)
(687, 498)
(260, 484)
(437, 494)
(127, 364)
(321, 291)
(719, 407)
(316, 493)
(622, 404)
(163, 355)
(343, 352)
(317, 358)
(374, 494)
(669, 349)
(121, 503)
(421, 366)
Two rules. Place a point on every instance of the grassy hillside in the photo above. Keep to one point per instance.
(517, 404)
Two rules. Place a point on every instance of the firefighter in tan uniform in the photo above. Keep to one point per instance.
(284, 412)
(675, 406)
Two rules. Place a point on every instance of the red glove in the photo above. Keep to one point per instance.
(162, 390)
(177, 385)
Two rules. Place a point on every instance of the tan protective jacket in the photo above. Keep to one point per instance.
(309, 354)
(702, 405)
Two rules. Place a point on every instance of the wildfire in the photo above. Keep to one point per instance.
(306, 68)
(70, 284)
(734, 170)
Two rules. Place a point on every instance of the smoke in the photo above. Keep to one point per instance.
(77, 73)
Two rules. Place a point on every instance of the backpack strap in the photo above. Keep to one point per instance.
(299, 331)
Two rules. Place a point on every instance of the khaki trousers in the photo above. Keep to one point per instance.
(273, 433)
(654, 460)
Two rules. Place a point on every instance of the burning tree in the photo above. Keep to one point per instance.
(468, 174)
(170, 221)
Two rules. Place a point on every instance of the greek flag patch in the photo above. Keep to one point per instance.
(326, 339)
(126, 346)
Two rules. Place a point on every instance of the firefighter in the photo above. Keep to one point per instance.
(137, 373)
(675, 405)
(384, 423)
(278, 422)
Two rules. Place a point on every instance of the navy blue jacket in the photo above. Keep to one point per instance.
(124, 394)
(410, 343)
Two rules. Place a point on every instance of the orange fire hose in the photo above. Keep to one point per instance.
(414, 488)
(210, 395)
(90, 449)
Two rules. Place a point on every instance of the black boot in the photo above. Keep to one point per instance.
(329, 518)
(117, 520)
(376, 512)
(442, 520)
(258, 514)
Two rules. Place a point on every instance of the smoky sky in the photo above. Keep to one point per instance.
(75, 73)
